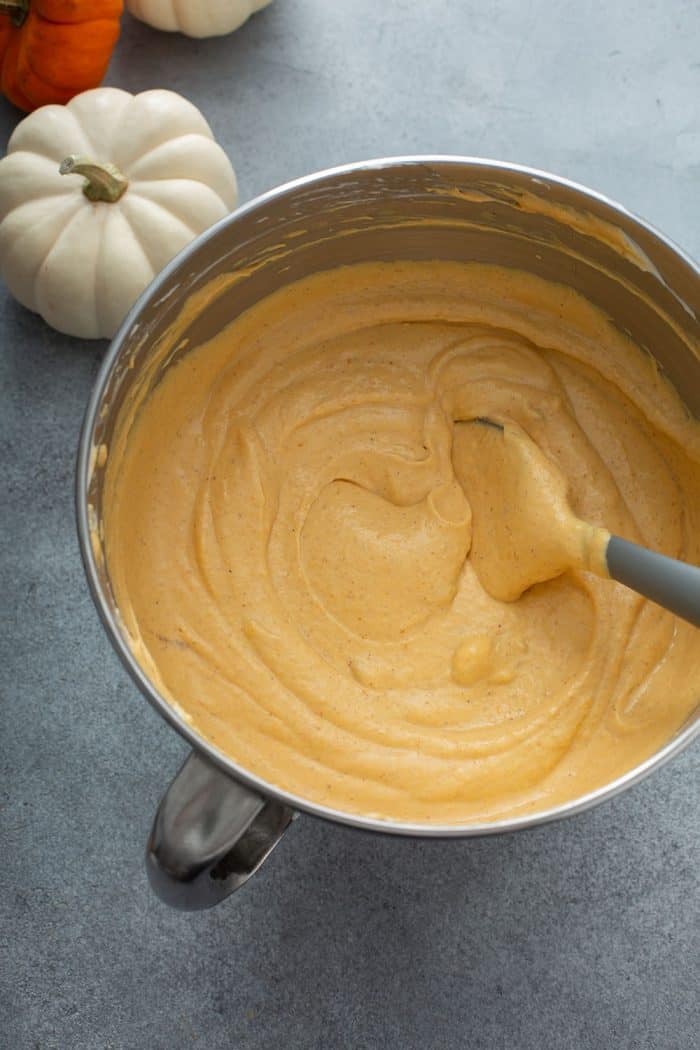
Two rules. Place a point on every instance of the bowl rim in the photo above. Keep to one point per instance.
(200, 744)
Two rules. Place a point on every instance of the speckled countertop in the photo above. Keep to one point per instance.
(578, 935)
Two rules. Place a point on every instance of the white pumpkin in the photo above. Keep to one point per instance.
(195, 17)
(97, 196)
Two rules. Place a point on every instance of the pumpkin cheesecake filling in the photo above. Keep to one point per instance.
(289, 519)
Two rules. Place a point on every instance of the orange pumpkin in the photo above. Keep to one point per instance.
(51, 50)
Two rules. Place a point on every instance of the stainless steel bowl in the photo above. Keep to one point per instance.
(218, 821)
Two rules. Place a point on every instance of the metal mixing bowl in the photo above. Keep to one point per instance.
(218, 821)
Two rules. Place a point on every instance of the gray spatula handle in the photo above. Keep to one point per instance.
(668, 582)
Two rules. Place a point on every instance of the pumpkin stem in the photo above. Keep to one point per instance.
(103, 181)
(16, 9)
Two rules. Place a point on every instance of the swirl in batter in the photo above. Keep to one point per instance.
(288, 530)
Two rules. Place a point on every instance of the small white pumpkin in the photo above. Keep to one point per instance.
(97, 196)
(196, 18)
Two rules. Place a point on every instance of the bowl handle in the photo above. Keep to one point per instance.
(209, 836)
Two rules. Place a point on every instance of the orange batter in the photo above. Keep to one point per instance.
(288, 527)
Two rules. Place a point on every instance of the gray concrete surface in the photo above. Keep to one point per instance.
(580, 935)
